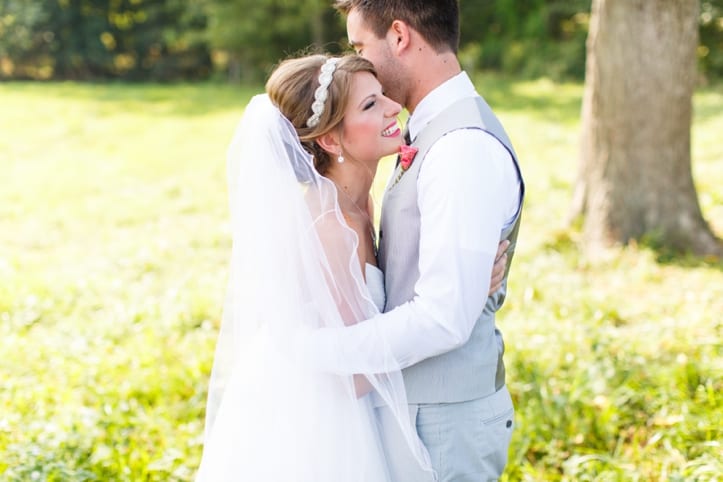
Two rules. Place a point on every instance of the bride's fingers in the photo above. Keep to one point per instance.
(502, 249)
(498, 269)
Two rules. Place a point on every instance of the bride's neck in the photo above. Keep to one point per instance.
(354, 179)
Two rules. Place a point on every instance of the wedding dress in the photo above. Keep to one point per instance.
(375, 285)
(272, 415)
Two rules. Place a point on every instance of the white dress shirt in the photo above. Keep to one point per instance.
(468, 192)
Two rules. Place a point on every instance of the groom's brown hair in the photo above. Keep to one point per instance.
(437, 21)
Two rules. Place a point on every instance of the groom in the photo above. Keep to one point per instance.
(443, 216)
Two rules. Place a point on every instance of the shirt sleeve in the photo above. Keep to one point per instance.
(468, 191)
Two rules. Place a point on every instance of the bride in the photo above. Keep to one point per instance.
(301, 165)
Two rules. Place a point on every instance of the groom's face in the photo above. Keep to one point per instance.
(378, 51)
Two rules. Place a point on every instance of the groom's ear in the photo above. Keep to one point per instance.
(400, 35)
(330, 143)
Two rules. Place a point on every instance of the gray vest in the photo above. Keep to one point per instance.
(475, 369)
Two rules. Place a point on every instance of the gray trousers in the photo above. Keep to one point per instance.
(467, 441)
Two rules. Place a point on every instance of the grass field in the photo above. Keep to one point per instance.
(114, 241)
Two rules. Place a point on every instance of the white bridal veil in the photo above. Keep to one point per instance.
(272, 415)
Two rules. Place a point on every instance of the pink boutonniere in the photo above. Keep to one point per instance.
(406, 157)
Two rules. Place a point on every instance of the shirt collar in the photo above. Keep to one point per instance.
(458, 87)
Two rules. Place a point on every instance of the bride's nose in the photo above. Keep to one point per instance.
(393, 109)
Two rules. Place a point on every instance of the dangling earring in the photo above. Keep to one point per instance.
(340, 159)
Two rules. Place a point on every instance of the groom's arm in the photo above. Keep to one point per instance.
(465, 200)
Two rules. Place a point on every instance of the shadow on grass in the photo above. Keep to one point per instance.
(568, 241)
(183, 99)
(562, 101)
(541, 99)
(669, 257)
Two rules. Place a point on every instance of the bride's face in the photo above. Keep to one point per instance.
(370, 129)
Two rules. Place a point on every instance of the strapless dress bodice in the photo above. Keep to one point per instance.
(375, 284)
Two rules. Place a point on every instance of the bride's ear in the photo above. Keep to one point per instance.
(330, 143)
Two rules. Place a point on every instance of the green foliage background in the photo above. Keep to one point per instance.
(175, 39)
(102, 39)
(114, 245)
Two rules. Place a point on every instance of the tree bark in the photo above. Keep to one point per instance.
(635, 179)
(234, 68)
(317, 24)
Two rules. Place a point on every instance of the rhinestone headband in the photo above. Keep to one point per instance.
(322, 92)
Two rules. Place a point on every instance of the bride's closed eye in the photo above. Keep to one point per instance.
(369, 105)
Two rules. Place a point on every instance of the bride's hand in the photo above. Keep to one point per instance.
(498, 270)
(362, 385)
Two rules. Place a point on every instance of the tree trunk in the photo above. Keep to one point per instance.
(635, 177)
(234, 68)
(317, 24)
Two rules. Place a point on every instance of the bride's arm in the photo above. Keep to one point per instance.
(361, 383)
(330, 239)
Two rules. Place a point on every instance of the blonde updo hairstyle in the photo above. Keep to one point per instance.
(291, 88)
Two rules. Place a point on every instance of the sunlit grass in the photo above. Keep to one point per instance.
(113, 251)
